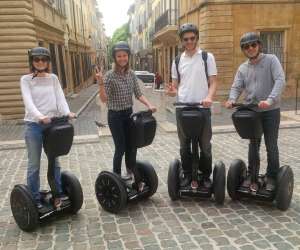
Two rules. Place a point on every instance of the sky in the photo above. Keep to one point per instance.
(114, 13)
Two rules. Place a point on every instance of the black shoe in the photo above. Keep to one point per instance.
(39, 205)
(247, 182)
(185, 180)
(63, 197)
(270, 183)
(254, 187)
(207, 182)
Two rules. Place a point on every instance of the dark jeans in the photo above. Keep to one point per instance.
(205, 135)
(270, 123)
(119, 124)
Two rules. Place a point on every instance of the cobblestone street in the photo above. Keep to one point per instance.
(157, 223)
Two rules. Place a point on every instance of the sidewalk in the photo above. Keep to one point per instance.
(85, 104)
(13, 130)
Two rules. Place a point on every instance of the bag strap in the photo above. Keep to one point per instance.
(204, 58)
(177, 59)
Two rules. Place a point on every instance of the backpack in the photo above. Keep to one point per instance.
(204, 57)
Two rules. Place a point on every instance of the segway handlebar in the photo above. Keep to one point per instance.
(64, 118)
(188, 104)
(243, 105)
(140, 113)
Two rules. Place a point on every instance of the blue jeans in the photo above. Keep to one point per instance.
(270, 123)
(34, 144)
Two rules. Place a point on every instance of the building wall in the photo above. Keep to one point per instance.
(17, 34)
(165, 42)
(60, 27)
(221, 24)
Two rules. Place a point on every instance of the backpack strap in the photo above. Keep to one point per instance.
(177, 59)
(204, 58)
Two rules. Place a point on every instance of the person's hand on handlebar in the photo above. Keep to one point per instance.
(263, 104)
(72, 115)
(44, 120)
(229, 104)
(152, 108)
(207, 102)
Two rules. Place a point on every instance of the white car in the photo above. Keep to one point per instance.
(146, 77)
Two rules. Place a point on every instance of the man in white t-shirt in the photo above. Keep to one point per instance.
(194, 80)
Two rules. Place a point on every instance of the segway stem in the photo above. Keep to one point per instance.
(256, 165)
(195, 162)
(51, 176)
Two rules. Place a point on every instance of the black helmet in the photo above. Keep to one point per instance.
(188, 27)
(120, 46)
(38, 51)
(249, 37)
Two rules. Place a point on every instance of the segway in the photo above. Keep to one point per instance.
(191, 120)
(112, 191)
(248, 125)
(57, 141)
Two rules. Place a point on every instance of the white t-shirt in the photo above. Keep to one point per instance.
(193, 86)
(43, 96)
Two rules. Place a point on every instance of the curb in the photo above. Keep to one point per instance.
(20, 144)
(95, 138)
(84, 106)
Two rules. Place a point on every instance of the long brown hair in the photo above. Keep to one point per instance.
(117, 68)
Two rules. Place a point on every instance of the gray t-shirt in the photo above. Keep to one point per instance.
(262, 81)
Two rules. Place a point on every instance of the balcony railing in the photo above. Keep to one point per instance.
(170, 17)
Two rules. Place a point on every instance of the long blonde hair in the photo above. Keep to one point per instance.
(117, 68)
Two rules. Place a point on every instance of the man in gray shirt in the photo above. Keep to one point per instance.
(262, 79)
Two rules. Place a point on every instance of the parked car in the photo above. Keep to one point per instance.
(146, 77)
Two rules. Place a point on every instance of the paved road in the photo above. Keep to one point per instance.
(156, 223)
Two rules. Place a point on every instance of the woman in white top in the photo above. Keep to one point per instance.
(43, 99)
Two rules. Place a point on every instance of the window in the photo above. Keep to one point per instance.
(273, 43)
(53, 58)
(77, 69)
(62, 67)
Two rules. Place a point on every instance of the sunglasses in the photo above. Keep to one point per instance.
(38, 59)
(192, 38)
(247, 46)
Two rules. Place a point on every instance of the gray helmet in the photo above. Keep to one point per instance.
(249, 37)
(188, 27)
(120, 46)
(38, 51)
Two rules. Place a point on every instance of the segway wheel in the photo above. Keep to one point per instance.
(219, 182)
(285, 186)
(72, 188)
(149, 176)
(173, 179)
(110, 192)
(236, 174)
(23, 208)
